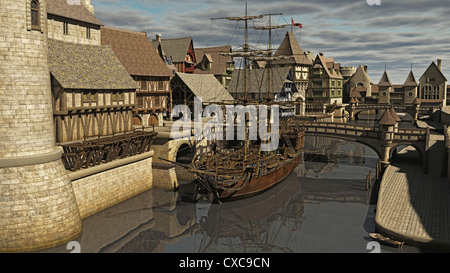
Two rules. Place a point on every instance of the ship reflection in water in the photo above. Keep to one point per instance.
(322, 206)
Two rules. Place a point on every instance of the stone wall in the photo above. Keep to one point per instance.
(107, 188)
(76, 34)
(37, 202)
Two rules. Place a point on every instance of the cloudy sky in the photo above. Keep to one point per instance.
(395, 33)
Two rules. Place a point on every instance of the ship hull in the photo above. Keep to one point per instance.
(257, 185)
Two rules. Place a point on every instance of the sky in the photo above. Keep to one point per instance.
(394, 34)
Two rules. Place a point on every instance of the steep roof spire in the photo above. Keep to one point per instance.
(385, 81)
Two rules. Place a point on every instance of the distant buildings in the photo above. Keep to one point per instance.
(142, 62)
(178, 52)
(211, 61)
(325, 81)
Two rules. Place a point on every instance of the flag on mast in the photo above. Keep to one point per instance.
(296, 24)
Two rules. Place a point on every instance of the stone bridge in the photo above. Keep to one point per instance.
(382, 139)
(415, 110)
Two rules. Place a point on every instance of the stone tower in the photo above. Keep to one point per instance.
(37, 202)
(384, 89)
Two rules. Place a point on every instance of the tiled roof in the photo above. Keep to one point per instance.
(329, 66)
(258, 81)
(219, 62)
(385, 81)
(411, 80)
(77, 66)
(135, 52)
(76, 12)
(206, 87)
(176, 48)
(290, 47)
(387, 119)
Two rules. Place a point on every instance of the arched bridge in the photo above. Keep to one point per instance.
(381, 139)
(415, 110)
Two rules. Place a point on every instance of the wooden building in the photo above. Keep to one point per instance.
(211, 61)
(142, 62)
(325, 81)
(94, 95)
(178, 52)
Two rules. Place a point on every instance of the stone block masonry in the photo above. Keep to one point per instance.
(107, 188)
(37, 202)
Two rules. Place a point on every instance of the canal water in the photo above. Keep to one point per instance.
(322, 207)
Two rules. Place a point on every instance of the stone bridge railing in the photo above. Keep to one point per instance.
(364, 131)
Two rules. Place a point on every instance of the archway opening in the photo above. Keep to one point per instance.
(405, 153)
(185, 154)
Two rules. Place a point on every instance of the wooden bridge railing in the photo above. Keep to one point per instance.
(94, 152)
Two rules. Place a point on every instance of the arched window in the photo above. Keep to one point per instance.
(35, 15)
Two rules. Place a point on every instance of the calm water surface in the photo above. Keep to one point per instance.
(322, 207)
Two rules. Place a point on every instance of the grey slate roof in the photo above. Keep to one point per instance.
(258, 81)
(411, 80)
(77, 66)
(385, 81)
(76, 12)
(205, 86)
(175, 48)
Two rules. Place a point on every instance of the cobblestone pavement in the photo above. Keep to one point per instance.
(414, 207)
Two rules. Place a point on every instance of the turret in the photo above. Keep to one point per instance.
(37, 201)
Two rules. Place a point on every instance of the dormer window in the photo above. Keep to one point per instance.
(35, 15)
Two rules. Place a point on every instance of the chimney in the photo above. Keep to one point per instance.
(87, 5)
(366, 68)
(158, 37)
(439, 64)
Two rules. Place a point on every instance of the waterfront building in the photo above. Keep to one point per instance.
(178, 52)
(298, 62)
(92, 98)
(432, 86)
(325, 81)
(211, 61)
(73, 23)
(185, 87)
(279, 87)
(139, 58)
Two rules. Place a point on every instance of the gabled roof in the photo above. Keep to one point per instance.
(387, 118)
(433, 66)
(290, 47)
(219, 62)
(385, 81)
(258, 81)
(361, 75)
(135, 52)
(329, 66)
(206, 87)
(76, 12)
(92, 67)
(411, 80)
(174, 48)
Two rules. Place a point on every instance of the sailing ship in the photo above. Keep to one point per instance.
(243, 170)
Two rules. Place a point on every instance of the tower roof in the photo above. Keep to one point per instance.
(385, 81)
(394, 115)
(387, 118)
(290, 47)
(411, 80)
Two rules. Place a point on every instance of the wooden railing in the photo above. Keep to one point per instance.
(95, 152)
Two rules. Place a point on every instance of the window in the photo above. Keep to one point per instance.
(144, 85)
(35, 15)
(66, 28)
(89, 97)
(117, 97)
(88, 33)
(160, 85)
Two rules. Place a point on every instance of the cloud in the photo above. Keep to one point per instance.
(396, 33)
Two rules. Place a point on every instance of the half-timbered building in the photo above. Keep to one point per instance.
(140, 59)
(178, 52)
(94, 95)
